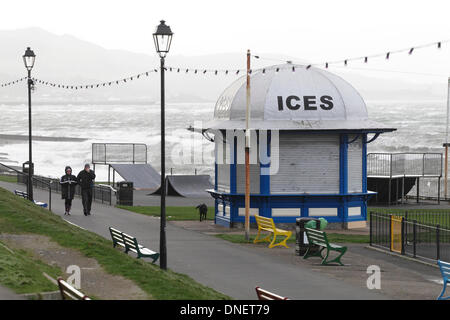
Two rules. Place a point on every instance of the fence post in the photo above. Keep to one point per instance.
(390, 232)
(370, 227)
(414, 237)
(438, 256)
(417, 189)
(439, 190)
(403, 235)
(50, 196)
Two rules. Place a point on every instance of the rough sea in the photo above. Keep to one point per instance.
(66, 132)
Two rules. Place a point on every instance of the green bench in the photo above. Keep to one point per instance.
(319, 238)
(129, 243)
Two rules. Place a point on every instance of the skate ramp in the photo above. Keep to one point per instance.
(143, 175)
(189, 186)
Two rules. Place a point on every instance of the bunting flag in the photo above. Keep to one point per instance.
(95, 85)
(11, 83)
(365, 58)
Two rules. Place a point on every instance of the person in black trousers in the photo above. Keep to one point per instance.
(68, 183)
(86, 179)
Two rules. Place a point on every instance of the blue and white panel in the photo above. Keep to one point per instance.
(323, 212)
(253, 212)
(286, 212)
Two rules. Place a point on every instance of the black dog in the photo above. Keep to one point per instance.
(203, 210)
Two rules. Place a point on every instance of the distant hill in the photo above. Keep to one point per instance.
(68, 60)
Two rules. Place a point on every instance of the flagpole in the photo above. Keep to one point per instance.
(247, 154)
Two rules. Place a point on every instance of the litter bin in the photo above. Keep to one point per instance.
(125, 193)
(22, 178)
(301, 241)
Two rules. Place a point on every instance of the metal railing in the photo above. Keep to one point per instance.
(404, 164)
(100, 193)
(421, 235)
(22, 177)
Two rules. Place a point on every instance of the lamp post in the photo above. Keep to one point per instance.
(28, 60)
(163, 38)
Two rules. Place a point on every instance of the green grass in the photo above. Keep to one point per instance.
(23, 274)
(172, 213)
(332, 237)
(8, 178)
(18, 216)
(424, 216)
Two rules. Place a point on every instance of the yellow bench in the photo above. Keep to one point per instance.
(267, 224)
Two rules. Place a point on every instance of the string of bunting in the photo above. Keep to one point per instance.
(207, 71)
(96, 85)
(11, 83)
(197, 71)
(387, 55)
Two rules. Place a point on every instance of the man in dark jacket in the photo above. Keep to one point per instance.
(86, 179)
(68, 183)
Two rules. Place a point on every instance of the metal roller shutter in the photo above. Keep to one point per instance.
(308, 164)
(223, 168)
(355, 165)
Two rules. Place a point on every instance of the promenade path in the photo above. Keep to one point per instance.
(229, 268)
(7, 294)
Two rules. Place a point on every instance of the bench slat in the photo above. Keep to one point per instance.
(67, 291)
(267, 295)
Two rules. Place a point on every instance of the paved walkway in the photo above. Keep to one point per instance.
(229, 268)
(6, 294)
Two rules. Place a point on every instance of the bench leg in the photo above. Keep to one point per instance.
(316, 254)
(155, 257)
(267, 238)
(335, 260)
(272, 244)
(441, 296)
(281, 243)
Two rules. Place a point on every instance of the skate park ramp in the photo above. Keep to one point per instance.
(189, 186)
(143, 175)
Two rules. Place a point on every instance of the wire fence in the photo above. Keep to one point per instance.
(422, 235)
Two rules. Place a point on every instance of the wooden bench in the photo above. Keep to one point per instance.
(267, 224)
(22, 194)
(130, 243)
(70, 293)
(267, 295)
(117, 238)
(319, 238)
(445, 272)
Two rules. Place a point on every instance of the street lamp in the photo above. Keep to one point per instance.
(163, 39)
(28, 60)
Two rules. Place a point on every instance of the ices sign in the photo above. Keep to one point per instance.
(307, 102)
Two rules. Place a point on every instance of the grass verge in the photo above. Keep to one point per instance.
(22, 273)
(8, 178)
(19, 216)
(332, 237)
(172, 213)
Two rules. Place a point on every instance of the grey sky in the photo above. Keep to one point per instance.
(310, 30)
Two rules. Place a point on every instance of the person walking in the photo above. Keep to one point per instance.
(68, 183)
(86, 179)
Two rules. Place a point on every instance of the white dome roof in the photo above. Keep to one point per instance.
(293, 97)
